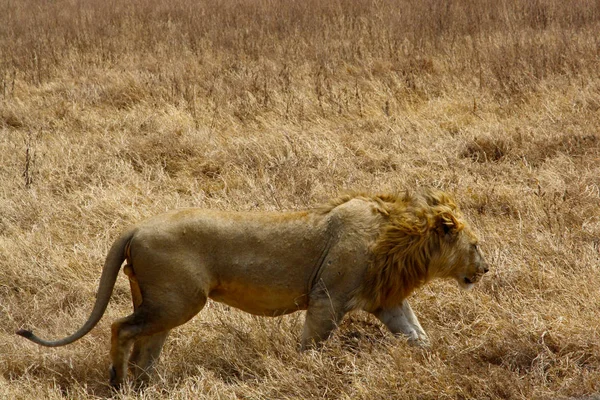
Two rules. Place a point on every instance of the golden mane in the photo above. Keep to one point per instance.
(414, 228)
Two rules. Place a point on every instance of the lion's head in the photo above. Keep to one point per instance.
(455, 251)
(425, 237)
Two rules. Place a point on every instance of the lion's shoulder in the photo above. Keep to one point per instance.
(379, 203)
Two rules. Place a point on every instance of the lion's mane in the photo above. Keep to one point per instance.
(409, 236)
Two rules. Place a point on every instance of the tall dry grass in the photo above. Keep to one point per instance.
(117, 110)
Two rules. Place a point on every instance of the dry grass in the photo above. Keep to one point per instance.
(114, 111)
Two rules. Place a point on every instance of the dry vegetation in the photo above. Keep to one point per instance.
(111, 111)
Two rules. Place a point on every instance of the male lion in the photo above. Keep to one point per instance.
(358, 252)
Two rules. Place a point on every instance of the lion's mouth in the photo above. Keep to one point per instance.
(467, 283)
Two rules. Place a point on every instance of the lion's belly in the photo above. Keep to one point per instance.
(260, 300)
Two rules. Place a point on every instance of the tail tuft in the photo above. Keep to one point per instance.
(25, 333)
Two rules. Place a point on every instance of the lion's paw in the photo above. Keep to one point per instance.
(115, 383)
(419, 340)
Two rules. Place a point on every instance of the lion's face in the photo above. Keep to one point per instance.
(459, 256)
(470, 264)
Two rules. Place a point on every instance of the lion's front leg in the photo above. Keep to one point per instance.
(402, 320)
(322, 317)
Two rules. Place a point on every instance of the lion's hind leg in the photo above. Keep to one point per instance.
(146, 351)
(147, 328)
(123, 336)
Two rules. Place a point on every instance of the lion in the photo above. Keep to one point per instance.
(357, 252)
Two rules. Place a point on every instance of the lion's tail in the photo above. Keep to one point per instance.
(111, 269)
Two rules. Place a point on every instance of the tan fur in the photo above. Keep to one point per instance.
(357, 252)
(409, 239)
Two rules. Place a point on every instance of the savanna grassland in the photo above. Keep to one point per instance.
(113, 111)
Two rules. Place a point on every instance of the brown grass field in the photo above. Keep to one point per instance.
(113, 111)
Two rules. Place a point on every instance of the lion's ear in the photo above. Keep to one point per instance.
(447, 225)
